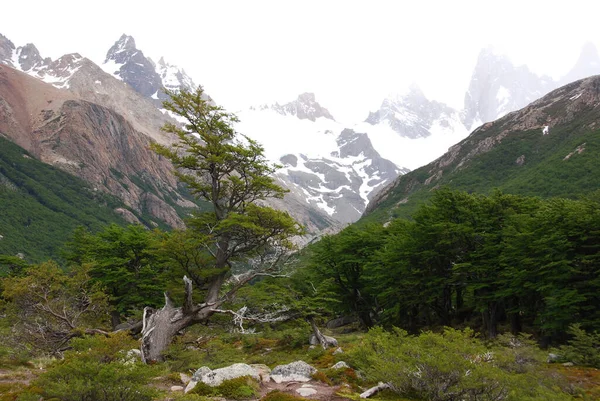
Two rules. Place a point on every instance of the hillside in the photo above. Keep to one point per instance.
(513, 154)
(42, 205)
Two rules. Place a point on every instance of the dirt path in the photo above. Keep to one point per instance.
(324, 392)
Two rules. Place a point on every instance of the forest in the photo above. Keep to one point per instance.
(470, 298)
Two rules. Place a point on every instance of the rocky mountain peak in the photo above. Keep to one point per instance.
(7, 49)
(410, 114)
(498, 87)
(304, 107)
(29, 57)
(121, 49)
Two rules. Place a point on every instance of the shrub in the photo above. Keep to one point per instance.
(98, 369)
(277, 395)
(583, 348)
(240, 388)
(453, 365)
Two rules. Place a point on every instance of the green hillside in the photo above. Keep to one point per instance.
(565, 163)
(40, 205)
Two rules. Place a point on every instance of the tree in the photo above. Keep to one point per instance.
(124, 262)
(339, 263)
(51, 306)
(230, 172)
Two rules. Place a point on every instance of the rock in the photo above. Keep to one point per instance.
(264, 372)
(176, 388)
(340, 365)
(338, 350)
(340, 321)
(132, 356)
(215, 377)
(185, 379)
(306, 390)
(568, 364)
(295, 371)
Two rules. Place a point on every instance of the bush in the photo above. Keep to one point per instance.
(583, 349)
(240, 388)
(453, 365)
(98, 369)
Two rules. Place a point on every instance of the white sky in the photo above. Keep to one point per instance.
(349, 53)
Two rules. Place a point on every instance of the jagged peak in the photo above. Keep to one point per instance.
(125, 43)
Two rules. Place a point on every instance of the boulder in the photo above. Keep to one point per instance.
(306, 390)
(215, 377)
(264, 372)
(295, 371)
(340, 365)
(340, 321)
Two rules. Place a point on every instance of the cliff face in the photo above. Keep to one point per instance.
(90, 141)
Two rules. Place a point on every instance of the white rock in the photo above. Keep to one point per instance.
(215, 377)
(340, 365)
(176, 388)
(295, 371)
(306, 390)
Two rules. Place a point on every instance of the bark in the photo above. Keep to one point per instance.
(325, 343)
(159, 327)
(374, 390)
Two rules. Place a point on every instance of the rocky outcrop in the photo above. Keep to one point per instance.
(216, 377)
(295, 371)
(128, 63)
(87, 140)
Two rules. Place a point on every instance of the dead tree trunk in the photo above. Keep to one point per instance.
(160, 326)
(324, 340)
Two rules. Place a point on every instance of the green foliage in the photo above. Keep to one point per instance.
(337, 271)
(48, 306)
(453, 365)
(42, 205)
(240, 388)
(124, 262)
(492, 262)
(583, 348)
(98, 369)
(230, 173)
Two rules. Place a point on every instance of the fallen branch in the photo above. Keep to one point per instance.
(374, 390)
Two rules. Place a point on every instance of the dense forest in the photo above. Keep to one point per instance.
(463, 300)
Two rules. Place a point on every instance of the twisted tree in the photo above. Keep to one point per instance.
(229, 172)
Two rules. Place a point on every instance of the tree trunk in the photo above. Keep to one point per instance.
(325, 342)
(159, 327)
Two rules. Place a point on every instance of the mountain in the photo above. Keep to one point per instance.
(513, 154)
(42, 206)
(91, 141)
(411, 130)
(127, 63)
(587, 64)
(334, 169)
(498, 87)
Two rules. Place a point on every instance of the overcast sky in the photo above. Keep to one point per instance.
(349, 53)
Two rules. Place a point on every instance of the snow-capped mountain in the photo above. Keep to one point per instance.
(411, 130)
(305, 107)
(330, 167)
(498, 87)
(126, 62)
